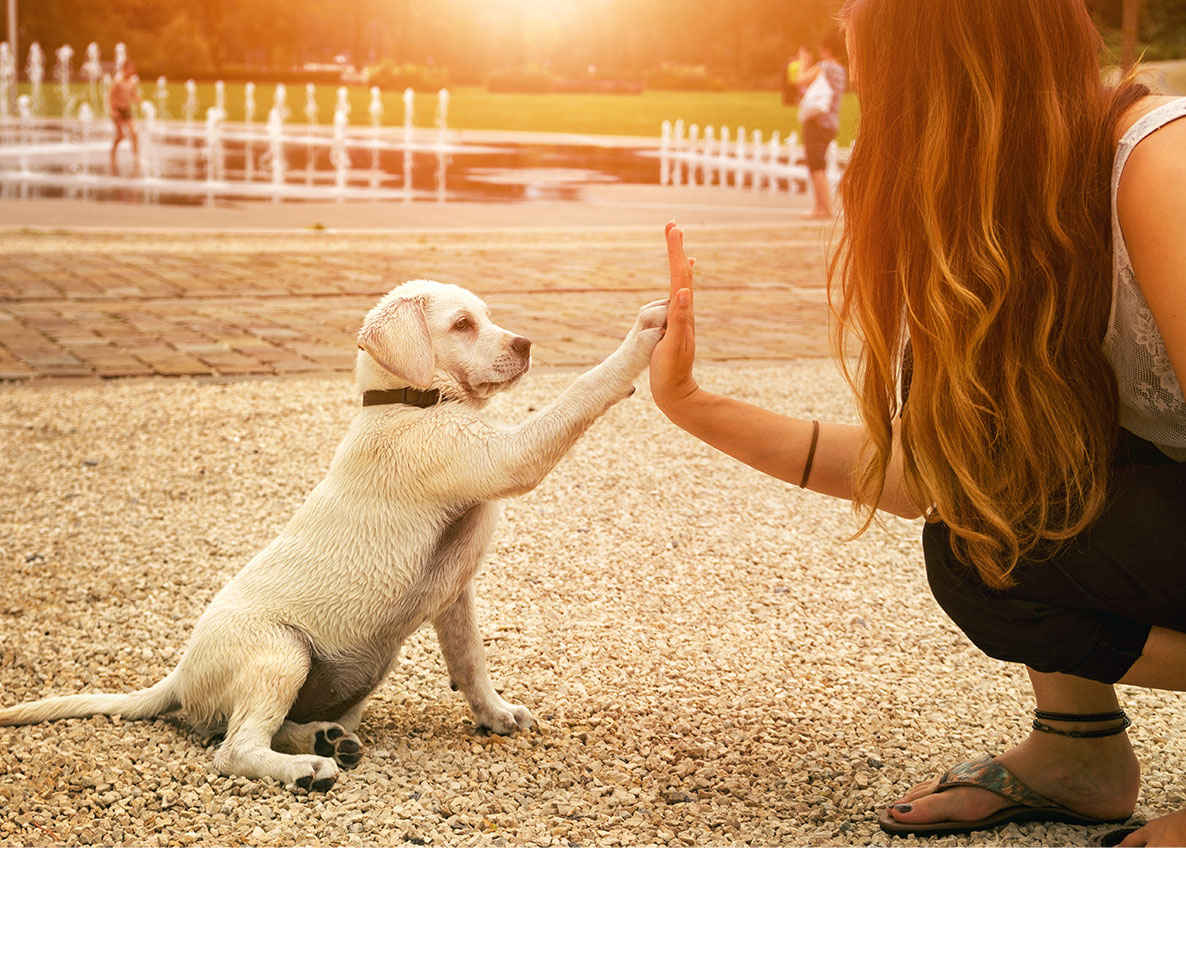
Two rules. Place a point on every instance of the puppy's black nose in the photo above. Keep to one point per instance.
(521, 346)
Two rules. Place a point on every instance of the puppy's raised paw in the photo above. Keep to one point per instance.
(652, 316)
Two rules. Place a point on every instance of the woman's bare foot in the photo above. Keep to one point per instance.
(1099, 777)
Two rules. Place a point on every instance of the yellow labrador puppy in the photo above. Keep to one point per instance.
(285, 657)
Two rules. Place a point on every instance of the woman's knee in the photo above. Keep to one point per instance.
(973, 608)
(1014, 627)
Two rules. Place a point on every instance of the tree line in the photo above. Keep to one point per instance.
(741, 41)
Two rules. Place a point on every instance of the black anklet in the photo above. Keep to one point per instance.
(1086, 718)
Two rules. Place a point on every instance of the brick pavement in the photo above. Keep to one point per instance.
(79, 305)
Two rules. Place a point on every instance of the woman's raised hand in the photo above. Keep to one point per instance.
(671, 363)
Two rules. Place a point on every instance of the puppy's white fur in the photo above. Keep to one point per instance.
(288, 651)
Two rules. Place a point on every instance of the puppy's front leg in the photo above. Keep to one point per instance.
(461, 643)
(516, 460)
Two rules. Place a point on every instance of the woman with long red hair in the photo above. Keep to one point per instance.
(1011, 315)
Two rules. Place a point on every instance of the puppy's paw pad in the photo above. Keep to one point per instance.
(653, 316)
(511, 718)
(314, 774)
(524, 721)
(349, 753)
(309, 783)
(335, 743)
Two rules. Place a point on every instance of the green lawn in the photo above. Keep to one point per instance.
(640, 114)
(585, 114)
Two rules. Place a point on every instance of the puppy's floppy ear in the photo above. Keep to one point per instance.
(395, 334)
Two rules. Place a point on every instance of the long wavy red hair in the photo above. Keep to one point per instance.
(978, 232)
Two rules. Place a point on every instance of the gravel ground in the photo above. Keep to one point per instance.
(711, 661)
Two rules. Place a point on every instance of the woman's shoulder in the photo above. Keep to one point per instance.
(1138, 110)
(1158, 161)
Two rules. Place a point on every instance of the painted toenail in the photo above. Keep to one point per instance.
(904, 809)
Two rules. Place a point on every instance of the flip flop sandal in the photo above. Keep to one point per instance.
(987, 774)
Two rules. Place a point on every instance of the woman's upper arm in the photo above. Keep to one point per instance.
(1151, 203)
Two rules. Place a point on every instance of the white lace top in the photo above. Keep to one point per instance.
(1151, 402)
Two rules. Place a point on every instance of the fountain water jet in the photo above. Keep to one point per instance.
(190, 109)
(338, 153)
(35, 72)
(442, 117)
(149, 155)
(64, 53)
(86, 121)
(8, 80)
(92, 70)
(249, 131)
(276, 139)
(214, 150)
(24, 110)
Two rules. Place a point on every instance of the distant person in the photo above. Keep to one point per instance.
(124, 90)
(791, 74)
(819, 119)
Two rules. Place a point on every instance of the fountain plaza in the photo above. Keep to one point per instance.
(243, 152)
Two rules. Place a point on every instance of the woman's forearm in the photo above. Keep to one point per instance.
(772, 443)
(778, 445)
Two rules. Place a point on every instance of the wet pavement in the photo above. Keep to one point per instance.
(199, 299)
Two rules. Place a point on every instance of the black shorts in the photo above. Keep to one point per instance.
(121, 114)
(1088, 611)
(817, 135)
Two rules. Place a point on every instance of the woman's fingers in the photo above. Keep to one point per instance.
(680, 265)
(680, 317)
(680, 313)
(671, 362)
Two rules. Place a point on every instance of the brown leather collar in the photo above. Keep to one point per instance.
(402, 395)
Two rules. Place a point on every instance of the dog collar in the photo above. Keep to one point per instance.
(402, 395)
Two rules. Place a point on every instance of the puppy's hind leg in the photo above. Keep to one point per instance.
(330, 739)
(263, 692)
(461, 643)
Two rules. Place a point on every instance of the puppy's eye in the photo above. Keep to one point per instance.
(465, 323)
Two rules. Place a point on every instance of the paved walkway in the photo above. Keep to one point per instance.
(134, 302)
(107, 290)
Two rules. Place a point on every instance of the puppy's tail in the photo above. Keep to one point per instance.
(160, 698)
